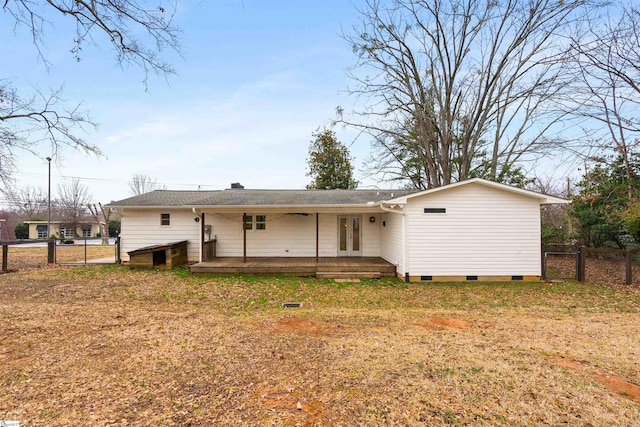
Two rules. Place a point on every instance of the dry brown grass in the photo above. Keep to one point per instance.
(110, 346)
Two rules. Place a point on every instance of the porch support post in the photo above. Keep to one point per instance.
(202, 248)
(244, 237)
(5, 258)
(317, 236)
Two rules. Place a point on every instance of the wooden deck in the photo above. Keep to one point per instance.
(333, 267)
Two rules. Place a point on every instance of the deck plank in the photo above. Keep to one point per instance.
(296, 265)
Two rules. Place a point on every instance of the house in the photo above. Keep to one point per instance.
(38, 229)
(471, 230)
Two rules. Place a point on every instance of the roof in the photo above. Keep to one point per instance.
(242, 197)
(153, 248)
(57, 221)
(543, 198)
(161, 198)
(301, 198)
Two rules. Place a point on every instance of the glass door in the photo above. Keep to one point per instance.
(349, 235)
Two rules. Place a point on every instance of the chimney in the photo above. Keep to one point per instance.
(237, 186)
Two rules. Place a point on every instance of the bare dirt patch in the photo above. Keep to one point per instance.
(617, 384)
(439, 324)
(294, 410)
(450, 323)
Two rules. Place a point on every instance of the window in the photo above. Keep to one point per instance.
(165, 219)
(257, 222)
(66, 232)
(86, 231)
(42, 231)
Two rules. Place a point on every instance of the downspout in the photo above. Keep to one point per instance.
(404, 236)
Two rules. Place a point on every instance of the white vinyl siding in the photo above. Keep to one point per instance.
(286, 235)
(370, 235)
(391, 239)
(141, 227)
(484, 232)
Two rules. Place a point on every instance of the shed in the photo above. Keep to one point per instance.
(164, 255)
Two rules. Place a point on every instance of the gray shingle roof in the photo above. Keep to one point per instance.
(160, 198)
(247, 197)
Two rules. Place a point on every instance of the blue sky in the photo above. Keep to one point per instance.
(256, 80)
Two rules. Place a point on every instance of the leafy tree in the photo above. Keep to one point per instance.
(114, 227)
(21, 231)
(329, 163)
(603, 208)
(136, 32)
(555, 220)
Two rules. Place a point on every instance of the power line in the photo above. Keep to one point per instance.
(123, 182)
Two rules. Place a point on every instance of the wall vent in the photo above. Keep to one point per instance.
(292, 305)
(435, 210)
(472, 277)
(426, 278)
(517, 278)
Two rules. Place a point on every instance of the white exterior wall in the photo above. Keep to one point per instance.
(484, 231)
(370, 235)
(391, 240)
(141, 227)
(287, 235)
(55, 229)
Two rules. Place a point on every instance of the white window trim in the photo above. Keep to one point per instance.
(169, 218)
(254, 222)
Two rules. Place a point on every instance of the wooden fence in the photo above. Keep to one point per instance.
(627, 255)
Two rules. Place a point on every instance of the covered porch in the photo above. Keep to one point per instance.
(322, 267)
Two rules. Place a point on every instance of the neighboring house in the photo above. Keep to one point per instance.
(470, 230)
(38, 229)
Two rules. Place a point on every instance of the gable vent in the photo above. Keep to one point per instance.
(435, 210)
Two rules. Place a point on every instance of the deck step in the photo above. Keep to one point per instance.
(348, 274)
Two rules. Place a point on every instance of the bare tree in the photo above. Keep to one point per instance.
(137, 33)
(102, 217)
(28, 202)
(608, 88)
(73, 198)
(457, 86)
(141, 184)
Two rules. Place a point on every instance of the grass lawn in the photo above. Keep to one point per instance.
(111, 346)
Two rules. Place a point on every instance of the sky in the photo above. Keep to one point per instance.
(254, 80)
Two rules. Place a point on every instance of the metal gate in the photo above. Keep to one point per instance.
(560, 261)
